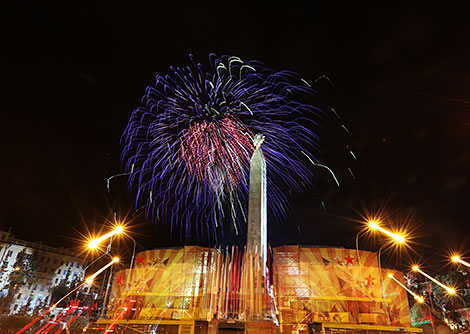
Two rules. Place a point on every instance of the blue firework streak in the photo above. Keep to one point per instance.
(188, 146)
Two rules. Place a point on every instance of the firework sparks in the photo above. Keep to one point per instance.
(187, 148)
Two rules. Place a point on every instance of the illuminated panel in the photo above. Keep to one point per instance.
(328, 285)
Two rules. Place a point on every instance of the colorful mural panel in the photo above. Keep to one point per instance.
(336, 285)
(165, 284)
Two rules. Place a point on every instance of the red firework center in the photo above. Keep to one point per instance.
(217, 152)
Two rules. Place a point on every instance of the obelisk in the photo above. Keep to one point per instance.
(257, 222)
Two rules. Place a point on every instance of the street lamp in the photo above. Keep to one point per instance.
(457, 259)
(450, 291)
(90, 279)
(396, 237)
(94, 243)
(419, 299)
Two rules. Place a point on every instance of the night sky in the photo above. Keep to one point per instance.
(73, 72)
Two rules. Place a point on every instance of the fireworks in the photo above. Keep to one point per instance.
(187, 148)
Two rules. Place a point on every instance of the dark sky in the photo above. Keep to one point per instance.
(72, 73)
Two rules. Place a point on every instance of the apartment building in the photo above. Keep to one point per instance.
(53, 266)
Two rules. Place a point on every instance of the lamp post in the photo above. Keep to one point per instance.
(382, 282)
(131, 266)
(395, 238)
(465, 307)
(431, 315)
(358, 257)
(93, 244)
(457, 259)
(133, 252)
(357, 247)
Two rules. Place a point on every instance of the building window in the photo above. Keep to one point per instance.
(76, 265)
(56, 280)
(16, 306)
(5, 263)
(58, 272)
(35, 286)
(48, 259)
(9, 253)
(19, 296)
(42, 258)
(55, 261)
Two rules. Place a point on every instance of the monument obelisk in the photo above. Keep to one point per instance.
(257, 222)
(256, 244)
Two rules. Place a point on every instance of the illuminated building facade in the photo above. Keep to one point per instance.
(53, 265)
(203, 290)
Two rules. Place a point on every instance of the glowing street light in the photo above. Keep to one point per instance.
(450, 291)
(94, 243)
(457, 259)
(90, 279)
(419, 299)
(397, 237)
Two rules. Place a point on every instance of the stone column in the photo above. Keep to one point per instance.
(257, 222)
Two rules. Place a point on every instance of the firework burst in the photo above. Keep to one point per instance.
(187, 148)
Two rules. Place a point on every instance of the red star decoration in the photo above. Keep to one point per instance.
(349, 259)
(140, 259)
(119, 279)
(370, 280)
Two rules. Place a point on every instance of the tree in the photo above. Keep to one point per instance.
(447, 304)
(63, 288)
(24, 272)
